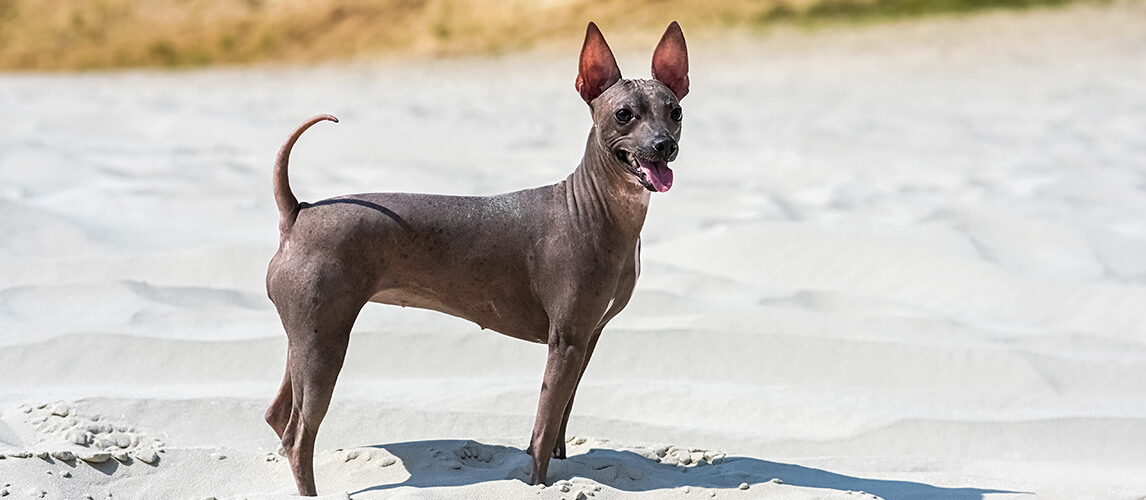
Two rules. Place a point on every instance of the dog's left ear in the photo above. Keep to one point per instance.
(670, 61)
(597, 69)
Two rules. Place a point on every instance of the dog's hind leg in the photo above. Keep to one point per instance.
(315, 361)
(279, 412)
(318, 328)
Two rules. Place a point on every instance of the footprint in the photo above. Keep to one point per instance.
(473, 454)
(67, 434)
(687, 457)
(373, 456)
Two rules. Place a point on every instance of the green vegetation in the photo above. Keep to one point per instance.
(54, 35)
(850, 10)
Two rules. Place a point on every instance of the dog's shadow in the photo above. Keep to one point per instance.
(460, 463)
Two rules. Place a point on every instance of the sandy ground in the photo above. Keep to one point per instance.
(900, 261)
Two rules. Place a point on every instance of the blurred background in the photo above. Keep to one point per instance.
(100, 34)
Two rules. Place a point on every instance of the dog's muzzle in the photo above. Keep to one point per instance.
(654, 175)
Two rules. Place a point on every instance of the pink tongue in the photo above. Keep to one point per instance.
(658, 173)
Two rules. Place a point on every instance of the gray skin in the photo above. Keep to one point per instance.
(550, 265)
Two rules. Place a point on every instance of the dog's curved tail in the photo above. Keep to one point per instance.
(284, 198)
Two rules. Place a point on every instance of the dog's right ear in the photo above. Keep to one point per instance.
(597, 70)
(670, 61)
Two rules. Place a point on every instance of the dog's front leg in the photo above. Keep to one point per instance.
(559, 443)
(568, 350)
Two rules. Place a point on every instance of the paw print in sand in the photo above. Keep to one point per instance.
(685, 457)
(66, 435)
(472, 454)
(373, 456)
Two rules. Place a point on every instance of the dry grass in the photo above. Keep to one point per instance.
(93, 34)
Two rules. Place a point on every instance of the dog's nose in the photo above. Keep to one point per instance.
(666, 147)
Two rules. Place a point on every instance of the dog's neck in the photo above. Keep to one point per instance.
(599, 191)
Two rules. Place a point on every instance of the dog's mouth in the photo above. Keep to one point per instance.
(654, 175)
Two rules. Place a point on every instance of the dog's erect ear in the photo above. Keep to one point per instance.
(597, 69)
(670, 61)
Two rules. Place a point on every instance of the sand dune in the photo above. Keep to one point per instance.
(901, 261)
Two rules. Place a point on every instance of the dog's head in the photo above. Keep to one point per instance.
(637, 121)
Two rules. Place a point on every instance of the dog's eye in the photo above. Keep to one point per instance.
(624, 115)
(676, 114)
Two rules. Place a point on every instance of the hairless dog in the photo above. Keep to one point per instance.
(549, 265)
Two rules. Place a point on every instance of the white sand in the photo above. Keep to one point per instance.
(902, 260)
